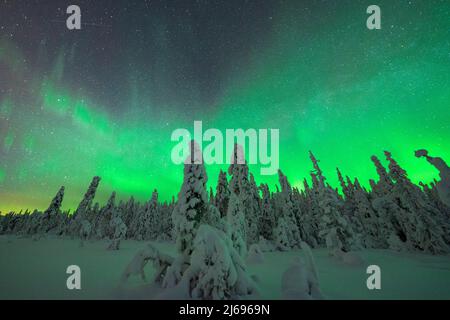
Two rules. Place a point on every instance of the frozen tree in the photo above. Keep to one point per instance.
(236, 225)
(287, 211)
(50, 218)
(421, 222)
(282, 241)
(346, 189)
(149, 219)
(82, 212)
(309, 219)
(267, 220)
(222, 194)
(154, 217)
(247, 191)
(238, 170)
(103, 218)
(443, 186)
(215, 271)
(384, 185)
(252, 209)
(119, 230)
(360, 213)
(335, 230)
(192, 202)
(85, 231)
(166, 221)
(362, 206)
(129, 215)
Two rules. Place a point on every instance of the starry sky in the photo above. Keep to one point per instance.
(105, 99)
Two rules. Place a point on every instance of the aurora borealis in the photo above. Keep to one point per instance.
(104, 100)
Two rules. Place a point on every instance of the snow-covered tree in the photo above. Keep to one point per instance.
(51, 217)
(371, 236)
(215, 270)
(267, 221)
(442, 186)
(119, 230)
(166, 221)
(102, 221)
(236, 224)
(247, 191)
(222, 194)
(421, 222)
(192, 203)
(384, 185)
(335, 230)
(282, 240)
(82, 212)
(286, 210)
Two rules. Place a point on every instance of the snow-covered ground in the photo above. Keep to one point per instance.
(37, 270)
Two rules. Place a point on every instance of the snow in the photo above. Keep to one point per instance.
(37, 270)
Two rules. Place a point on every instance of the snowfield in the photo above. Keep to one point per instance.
(37, 270)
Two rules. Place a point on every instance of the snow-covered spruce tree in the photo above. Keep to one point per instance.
(222, 194)
(267, 222)
(236, 224)
(282, 241)
(386, 209)
(215, 270)
(85, 231)
(207, 266)
(119, 229)
(245, 190)
(384, 185)
(155, 216)
(51, 217)
(149, 218)
(253, 206)
(129, 209)
(141, 223)
(287, 211)
(335, 230)
(442, 186)
(33, 224)
(351, 213)
(372, 237)
(101, 226)
(299, 205)
(422, 222)
(347, 190)
(309, 219)
(135, 219)
(81, 213)
(166, 221)
(192, 203)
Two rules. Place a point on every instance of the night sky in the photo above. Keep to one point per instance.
(105, 99)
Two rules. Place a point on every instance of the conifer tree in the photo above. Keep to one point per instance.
(192, 203)
(222, 194)
(421, 223)
(335, 230)
(245, 190)
(237, 225)
(51, 217)
(267, 222)
(80, 216)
